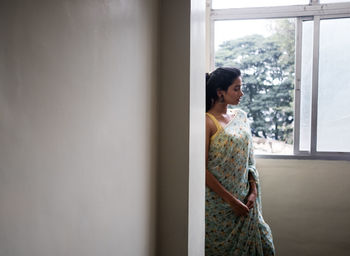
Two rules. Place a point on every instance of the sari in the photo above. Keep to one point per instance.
(230, 160)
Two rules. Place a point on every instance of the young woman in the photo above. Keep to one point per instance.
(234, 222)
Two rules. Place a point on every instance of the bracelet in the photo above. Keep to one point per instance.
(251, 181)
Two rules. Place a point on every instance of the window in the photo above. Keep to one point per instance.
(296, 70)
(333, 118)
(306, 86)
(264, 52)
(333, 1)
(223, 4)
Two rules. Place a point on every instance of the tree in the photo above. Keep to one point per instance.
(267, 64)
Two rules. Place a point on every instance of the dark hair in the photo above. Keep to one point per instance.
(219, 79)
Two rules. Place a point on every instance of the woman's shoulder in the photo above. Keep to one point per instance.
(210, 122)
(211, 127)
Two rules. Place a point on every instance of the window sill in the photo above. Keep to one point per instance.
(319, 156)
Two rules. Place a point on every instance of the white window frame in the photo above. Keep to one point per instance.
(313, 11)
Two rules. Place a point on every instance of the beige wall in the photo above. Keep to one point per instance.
(77, 127)
(307, 204)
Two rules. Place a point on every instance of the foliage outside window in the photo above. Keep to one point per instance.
(281, 74)
(267, 65)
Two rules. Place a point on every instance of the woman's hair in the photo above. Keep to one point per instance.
(219, 79)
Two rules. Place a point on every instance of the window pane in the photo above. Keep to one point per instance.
(306, 86)
(333, 1)
(264, 51)
(333, 123)
(222, 4)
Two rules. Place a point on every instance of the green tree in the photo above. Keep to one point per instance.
(267, 64)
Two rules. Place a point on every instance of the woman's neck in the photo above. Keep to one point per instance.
(219, 108)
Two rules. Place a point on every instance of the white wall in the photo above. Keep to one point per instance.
(307, 204)
(196, 197)
(77, 127)
(181, 128)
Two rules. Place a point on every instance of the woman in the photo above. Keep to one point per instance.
(234, 222)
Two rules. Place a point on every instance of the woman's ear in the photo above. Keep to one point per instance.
(219, 93)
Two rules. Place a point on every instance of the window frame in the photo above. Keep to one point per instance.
(313, 11)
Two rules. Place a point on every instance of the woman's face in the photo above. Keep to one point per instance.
(234, 92)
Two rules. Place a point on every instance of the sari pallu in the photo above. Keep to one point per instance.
(230, 160)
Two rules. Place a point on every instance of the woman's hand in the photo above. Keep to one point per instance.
(253, 192)
(239, 208)
(251, 200)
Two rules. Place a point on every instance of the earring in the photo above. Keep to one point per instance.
(221, 99)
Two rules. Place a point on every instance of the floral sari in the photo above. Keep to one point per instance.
(230, 160)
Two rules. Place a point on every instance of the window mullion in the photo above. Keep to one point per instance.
(208, 37)
(275, 12)
(315, 65)
(297, 95)
(212, 44)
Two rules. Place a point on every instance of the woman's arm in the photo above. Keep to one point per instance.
(252, 184)
(253, 192)
(252, 179)
(216, 186)
(238, 207)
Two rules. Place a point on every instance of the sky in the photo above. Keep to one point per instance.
(228, 30)
(233, 29)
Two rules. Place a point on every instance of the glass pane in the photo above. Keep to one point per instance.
(264, 51)
(222, 4)
(333, 1)
(306, 86)
(333, 123)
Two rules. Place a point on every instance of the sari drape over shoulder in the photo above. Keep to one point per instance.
(230, 160)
